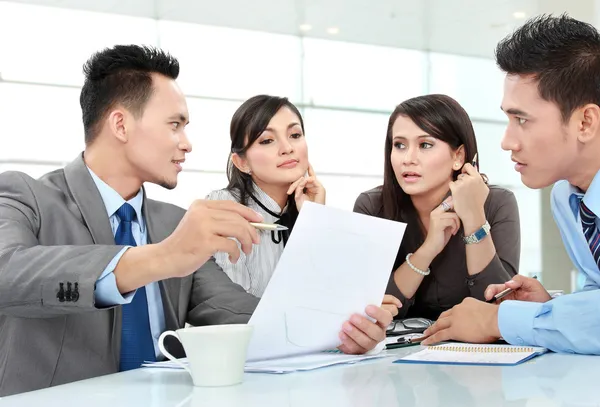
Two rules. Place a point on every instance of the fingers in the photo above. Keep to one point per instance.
(440, 336)
(440, 324)
(245, 233)
(311, 171)
(348, 345)
(456, 223)
(309, 186)
(363, 332)
(451, 221)
(230, 206)
(380, 315)
(235, 221)
(445, 314)
(391, 308)
(294, 185)
(438, 332)
(493, 289)
(228, 246)
(446, 206)
(359, 334)
(519, 281)
(470, 170)
(300, 188)
(390, 299)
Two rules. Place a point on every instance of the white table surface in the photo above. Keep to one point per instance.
(549, 380)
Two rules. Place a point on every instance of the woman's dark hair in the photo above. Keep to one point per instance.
(247, 124)
(441, 117)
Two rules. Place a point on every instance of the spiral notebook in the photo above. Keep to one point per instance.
(472, 354)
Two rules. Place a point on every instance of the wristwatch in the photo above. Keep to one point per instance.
(479, 234)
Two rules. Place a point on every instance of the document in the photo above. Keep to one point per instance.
(474, 354)
(287, 365)
(335, 263)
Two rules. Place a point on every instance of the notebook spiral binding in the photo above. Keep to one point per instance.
(482, 349)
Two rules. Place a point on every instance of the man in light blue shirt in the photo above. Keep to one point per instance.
(552, 100)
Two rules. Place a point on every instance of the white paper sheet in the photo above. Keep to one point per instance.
(335, 263)
(285, 365)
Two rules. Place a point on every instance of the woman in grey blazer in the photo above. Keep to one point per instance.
(462, 233)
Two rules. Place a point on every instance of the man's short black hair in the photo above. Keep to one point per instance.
(562, 54)
(121, 75)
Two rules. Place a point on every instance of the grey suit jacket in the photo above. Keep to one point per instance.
(55, 230)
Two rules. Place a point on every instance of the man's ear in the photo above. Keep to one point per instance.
(587, 122)
(117, 123)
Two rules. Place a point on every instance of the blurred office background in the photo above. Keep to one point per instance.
(345, 63)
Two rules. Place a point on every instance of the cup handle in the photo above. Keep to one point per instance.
(172, 358)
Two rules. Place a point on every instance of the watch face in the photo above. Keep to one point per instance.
(478, 235)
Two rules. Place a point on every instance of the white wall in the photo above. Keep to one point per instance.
(345, 91)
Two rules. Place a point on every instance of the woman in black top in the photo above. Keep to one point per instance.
(462, 234)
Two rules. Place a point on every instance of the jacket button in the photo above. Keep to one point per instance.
(75, 294)
(68, 292)
(61, 292)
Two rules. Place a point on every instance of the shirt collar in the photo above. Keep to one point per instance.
(266, 200)
(591, 198)
(113, 201)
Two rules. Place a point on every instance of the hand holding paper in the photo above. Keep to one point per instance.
(332, 275)
(360, 335)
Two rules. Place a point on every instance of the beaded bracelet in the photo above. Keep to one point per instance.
(415, 269)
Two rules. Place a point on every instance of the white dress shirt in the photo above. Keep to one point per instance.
(253, 271)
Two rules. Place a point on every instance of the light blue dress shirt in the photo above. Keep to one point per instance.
(107, 294)
(569, 323)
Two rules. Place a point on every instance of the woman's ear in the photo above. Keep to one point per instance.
(240, 163)
(459, 158)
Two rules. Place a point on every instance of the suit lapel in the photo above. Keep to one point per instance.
(170, 288)
(90, 204)
(89, 201)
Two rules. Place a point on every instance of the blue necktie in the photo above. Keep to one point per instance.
(590, 231)
(137, 345)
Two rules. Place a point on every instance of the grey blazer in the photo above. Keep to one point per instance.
(55, 230)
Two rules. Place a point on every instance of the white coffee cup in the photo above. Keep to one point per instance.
(216, 354)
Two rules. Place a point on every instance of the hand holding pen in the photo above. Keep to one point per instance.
(469, 193)
(520, 288)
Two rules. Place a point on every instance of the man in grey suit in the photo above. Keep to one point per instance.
(92, 271)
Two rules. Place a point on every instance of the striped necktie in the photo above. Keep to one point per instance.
(590, 231)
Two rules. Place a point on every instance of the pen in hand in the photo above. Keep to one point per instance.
(502, 294)
(268, 226)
